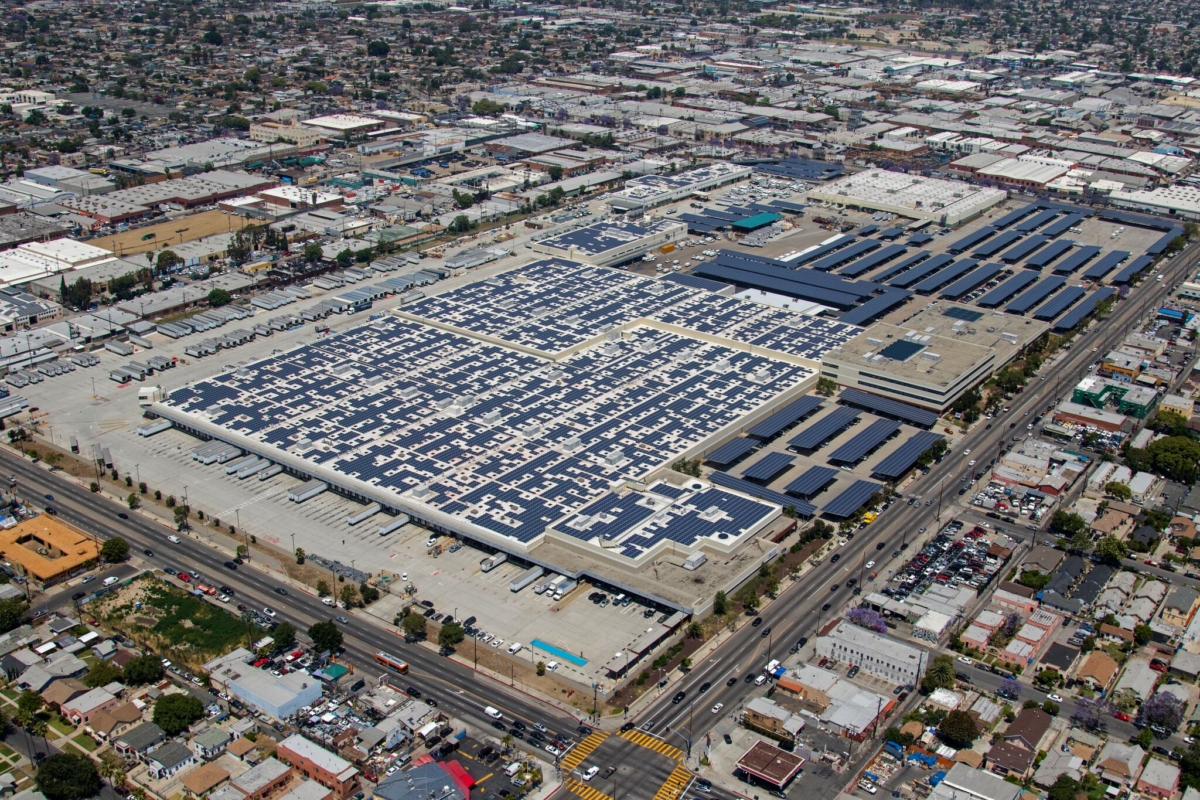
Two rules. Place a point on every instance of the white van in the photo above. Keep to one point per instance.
(494, 713)
(512, 769)
(109, 581)
(514, 648)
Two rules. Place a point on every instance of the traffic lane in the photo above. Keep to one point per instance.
(66, 596)
(85, 510)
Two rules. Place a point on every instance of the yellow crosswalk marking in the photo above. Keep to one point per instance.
(582, 750)
(653, 743)
(581, 789)
(674, 785)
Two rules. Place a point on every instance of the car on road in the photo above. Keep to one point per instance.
(836, 558)
(704, 687)
(270, 612)
(756, 622)
(51, 511)
(120, 514)
(149, 553)
(183, 576)
(678, 698)
(78, 595)
(826, 607)
(280, 590)
(871, 563)
(227, 590)
(1055, 697)
(717, 708)
(552, 750)
(964, 660)
(413, 691)
(174, 539)
(834, 587)
(342, 620)
(1121, 715)
(880, 546)
(766, 632)
(499, 725)
(591, 773)
(230, 565)
(731, 681)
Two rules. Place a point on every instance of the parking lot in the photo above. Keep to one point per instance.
(947, 561)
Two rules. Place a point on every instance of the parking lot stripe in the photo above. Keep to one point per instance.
(581, 789)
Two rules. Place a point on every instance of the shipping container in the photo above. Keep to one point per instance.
(490, 563)
(529, 576)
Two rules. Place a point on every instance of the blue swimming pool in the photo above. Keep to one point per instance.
(558, 652)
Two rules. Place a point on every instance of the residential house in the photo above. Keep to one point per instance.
(1119, 764)
(201, 780)
(1015, 755)
(80, 709)
(763, 714)
(106, 723)
(1179, 606)
(137, 742)
(242, 749)
(1138, 678)
(1098, 671)
(169, 759)
(210, 743)
(62, 691)
(1159, 779)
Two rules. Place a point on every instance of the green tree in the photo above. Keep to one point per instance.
(939, 674)
(486, 108)
(219, 297)
(1118, 491)
(1142, 634)
(114, 550)
(450, 634)
(1110, 549)
(344, 259)
(958, 729)
(326, 637)
(378, 49)
(166, 260)
(349, 596)
(213, 38)
(1067, 524)
(555, 172)
(414, 625)
(66, 776)
(460, 224)
(175, 713)
(29, 704)
(284, 634)
(826, 386)
(720, 604)
(13, 612)
(312, 251)
(141, 670)
(102, 673)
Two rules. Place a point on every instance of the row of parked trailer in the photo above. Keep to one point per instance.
(20, 377)
(204, 321)
(138, 370)
(207, 347)
(270, 301)
(234, 459)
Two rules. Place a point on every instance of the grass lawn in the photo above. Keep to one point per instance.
(10, 694)
(7, 752)
(62, 726)
(87, 743)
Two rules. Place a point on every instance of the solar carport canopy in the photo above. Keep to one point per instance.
(902, 459)
(889, 408)
(866, 441)
(823, 429)
(788, 415)
(812, 481)
(851, 499)
(755, 490)
(732, 450)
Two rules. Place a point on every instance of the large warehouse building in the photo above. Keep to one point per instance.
(948, 203)
(543, 404)
(934, 357)
(606, 244)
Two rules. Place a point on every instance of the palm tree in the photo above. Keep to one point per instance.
(694, 631)
(40, 728)
(941, 673)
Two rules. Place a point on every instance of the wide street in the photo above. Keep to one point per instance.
(799, 610)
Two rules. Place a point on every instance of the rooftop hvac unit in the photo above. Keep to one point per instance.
(868, 356)
(531, 431)
(874, 341)
(555, 375)
(721, 366)
(421, 491)
(572, 444)
(614, 456)
(491, 418)
(409, 392)
(694, 561)
(931, 356)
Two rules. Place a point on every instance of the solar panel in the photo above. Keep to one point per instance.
(1049, 253)
(845, 254)
(1161, 244)
(887, 234)
(768, 467)
(1037, 220)
(1014, 215)
(919, 239)
(968, 283)
(873, 260)
(965, 314)
(1137, 265)
(1036, 294)
(902, 459)
(888, 407)
(685, 279)
(1007, 289)
(971, 239)
(781, 284)
(866, 441)
(851, 499)
(823, 429)
(1064, 300)
(1076, 260)
(1105, 265)
(993, 246)
(940, 279)
(812, 277)
(901, 350)
(812, 481)
(1140, 220)
(1023, 249)
(1077, 314)
(900, 266)
(867, 230)
(788, 415)
(1061, 226)
(731, 451)
(840, 241)
(921, 271)
(763, 493)
(871, 309)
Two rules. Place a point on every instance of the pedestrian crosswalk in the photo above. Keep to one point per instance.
(653, 743)
(579, 752)
(581, 789)
(675, 783)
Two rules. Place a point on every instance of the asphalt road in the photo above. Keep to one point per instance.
(799, 611)
(460, 691)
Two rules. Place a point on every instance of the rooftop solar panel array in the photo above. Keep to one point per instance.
(1049, 253)
(993, 246)
(687, 279)
(941, 278)
(802, 169)
(768, 467)
(1036, 221)
(876, 306)
(1061, 226)
(968, 283)
(812, 481)
(873, 260)
(1133, 268)
(1105, 265)
(900, 266)
(1064, 300)
(1007, 289)
(812, 277)
(1023, 249)
(890, 408)
(864, 442)
(1036, 294)
(1079, 312)
(845, 254)
(823, 429)
(902, 459)
(921, 271)
(732, 450)
(1014, 215)
(971, 239)
(780, 283)
(802, 508)
(785, 417)
(1076, 260)
(851, 499)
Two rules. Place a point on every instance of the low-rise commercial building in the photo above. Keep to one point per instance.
(872, 652)
(318, 764)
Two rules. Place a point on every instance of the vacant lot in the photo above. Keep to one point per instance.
(169, 621)
(198, 226)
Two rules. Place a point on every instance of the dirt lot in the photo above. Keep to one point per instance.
(199, 225)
